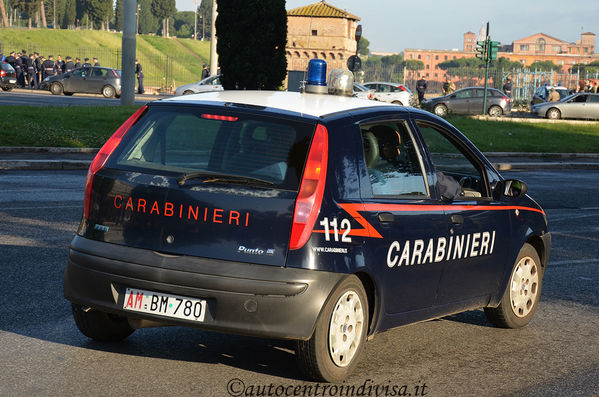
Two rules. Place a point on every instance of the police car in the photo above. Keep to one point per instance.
(322, 219)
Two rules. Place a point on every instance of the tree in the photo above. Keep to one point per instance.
(70, 14)
(414, 64)
(363, 46)
(184, 23)
(544, 66)
(164, 9)
(148, 23)
(118, 15)
(205, 16)
(3, 11)
(251, 43)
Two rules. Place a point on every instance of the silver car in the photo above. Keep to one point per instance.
(469, 101)
(211, 83)
(391, 92)
(577, 106)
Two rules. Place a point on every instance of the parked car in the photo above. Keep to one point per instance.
(90, 80)
(542, 93)
(469, 101)
(363, 92)
(211, 83)
(582, 105)
(392, 92)
(314, 218)
(8, 77)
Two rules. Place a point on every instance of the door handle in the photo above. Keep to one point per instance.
(457, 219)
(385, 217)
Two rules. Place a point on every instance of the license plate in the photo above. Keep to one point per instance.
(12, 81)
(139, 300)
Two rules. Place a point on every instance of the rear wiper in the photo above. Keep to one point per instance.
(218, 177)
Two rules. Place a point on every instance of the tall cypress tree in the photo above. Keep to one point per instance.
(251, 43)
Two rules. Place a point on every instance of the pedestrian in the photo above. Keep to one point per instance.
(86, 63)
(59, 65)
(421, 86)
(553, 96)
(205, 72)
(96, 63)
(448, 86)
(140, 77)
(68, 65)
(507, 87)
(77, 63)
(48, 67)
(31, 80)
(20, 69)
(38, 68)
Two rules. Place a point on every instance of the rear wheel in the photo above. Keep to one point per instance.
(554, 114)
(440, 110)
(56, 88)
(108, 91)
(521, 296)
(333, 350)
(99, 325)
(495, 111)
(7, 88)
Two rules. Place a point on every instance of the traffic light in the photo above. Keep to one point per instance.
(481, 49)
(493, 47)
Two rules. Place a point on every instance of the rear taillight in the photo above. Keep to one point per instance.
(309, 198)
(103, 155)
(2, 73)
(506, 99)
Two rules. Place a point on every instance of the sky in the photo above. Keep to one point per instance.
(394, 25)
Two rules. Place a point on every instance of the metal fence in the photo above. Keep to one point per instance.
(524, 81)
(161, 72)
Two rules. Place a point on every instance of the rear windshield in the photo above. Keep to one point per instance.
(182, 140)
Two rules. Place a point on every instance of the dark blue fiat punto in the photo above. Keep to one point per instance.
(318, 218)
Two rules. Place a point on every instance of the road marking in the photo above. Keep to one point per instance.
(573, 262)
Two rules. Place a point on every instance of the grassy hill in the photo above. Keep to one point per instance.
(167, 62)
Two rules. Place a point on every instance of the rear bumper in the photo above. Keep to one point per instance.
(287, 301)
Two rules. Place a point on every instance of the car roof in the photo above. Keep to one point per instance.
(306, 104)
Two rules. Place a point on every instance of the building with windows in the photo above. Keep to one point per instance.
(322, 31)
(538, 47)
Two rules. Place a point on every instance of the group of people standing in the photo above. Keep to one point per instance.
(33, 68)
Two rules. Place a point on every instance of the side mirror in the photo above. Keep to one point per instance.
(509, 188)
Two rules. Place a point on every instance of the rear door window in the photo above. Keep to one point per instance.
(393, 164)
(187, 140)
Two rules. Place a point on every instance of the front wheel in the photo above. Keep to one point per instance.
(101, 326)
(56, 88)
(495, 111)
(108, 91)
(397, 103)
(440, 110)
(554, 114)
(188, 92)
(333, 350)
(521, 296)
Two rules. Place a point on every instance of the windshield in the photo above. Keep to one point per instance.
(187, 140)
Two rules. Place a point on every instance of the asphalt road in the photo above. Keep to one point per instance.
(43, 354)
(44, 98)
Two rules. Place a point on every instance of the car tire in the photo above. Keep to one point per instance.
(522, 293)
(397, 103)
(56, 88)
(7, 88)
(495, 111)
(101, 326)
(440, 110)
(339, 336)
(554, 114)
(108, 91)
(188, 92)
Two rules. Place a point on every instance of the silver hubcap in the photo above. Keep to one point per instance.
(345, 329)
(524, 286)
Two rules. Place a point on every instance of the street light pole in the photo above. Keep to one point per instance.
(213, 54)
